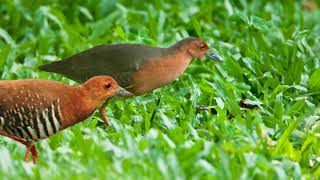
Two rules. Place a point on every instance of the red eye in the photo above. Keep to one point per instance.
(202, 46)
(108, 85)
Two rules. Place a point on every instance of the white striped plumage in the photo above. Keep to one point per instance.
(32, 123)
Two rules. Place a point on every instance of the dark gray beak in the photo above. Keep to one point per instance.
(213, 55)
(123, 93)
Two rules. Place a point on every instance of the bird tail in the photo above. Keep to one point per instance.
(61, 67)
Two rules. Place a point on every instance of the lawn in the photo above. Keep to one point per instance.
(263, 116)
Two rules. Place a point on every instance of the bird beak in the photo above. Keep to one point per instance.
(213, 55)
(123, 93)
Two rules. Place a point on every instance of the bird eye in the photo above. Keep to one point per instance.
(108, 85)
(202, 46)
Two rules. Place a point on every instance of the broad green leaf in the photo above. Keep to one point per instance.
(285, 136)
(314, 81)
(8, 39)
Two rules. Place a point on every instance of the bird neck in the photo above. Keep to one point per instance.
(90, 103)
(80, 105)
(180, 52)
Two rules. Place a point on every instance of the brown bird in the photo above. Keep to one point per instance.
(31, 110)
(136, 67)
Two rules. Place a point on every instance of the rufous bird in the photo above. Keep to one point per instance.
(31, 110)
(136, 67)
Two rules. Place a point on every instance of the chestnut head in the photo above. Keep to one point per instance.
(197, 48)
(103, 87)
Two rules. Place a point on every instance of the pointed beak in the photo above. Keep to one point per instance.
(213, 55)
(123, 93)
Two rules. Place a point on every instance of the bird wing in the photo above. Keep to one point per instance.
(26, 113)
(120, 61)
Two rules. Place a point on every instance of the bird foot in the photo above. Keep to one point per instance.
(30, 147)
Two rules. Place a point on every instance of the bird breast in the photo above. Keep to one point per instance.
(159, 72)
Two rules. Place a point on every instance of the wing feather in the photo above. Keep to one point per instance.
(119, 61)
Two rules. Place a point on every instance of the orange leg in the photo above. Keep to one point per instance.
(103, 112)
(30, 148)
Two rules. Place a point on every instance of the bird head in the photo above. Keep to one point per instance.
(197, 48)
(103, 87)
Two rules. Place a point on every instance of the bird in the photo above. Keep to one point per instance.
(136, 67)
(34, 109)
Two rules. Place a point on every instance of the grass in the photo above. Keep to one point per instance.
(271, 51)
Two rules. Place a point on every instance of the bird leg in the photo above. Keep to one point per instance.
(103, 112)
(30, 147)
